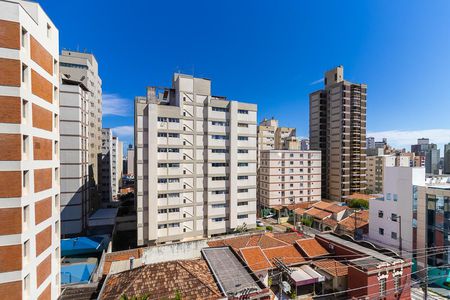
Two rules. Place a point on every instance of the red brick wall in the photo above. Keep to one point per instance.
(42, 179)
(41, 56)
(43, 270)
(10, 258)
(10, 72)
(10, 220)
(42, 210)
(10, 112)
(43, 240)
(9, 35)
(42, 118)
(42, 149)
(41, 87)
(10, 147)
(10, 184)
(12, 289)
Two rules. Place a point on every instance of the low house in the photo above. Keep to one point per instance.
(335, 272)
(359, 220)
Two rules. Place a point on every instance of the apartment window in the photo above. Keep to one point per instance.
(55, 120)
(24, 110)
(291, 163)
(243, 138)
(291, 155)
(394, 217)
(25, 181)
(55, 66)
(56, 149)
(162, 180)
(397, 283)
(245, 203)
(173, 195)
(162, 211)
(162, 196)
(220, 205)
(162, 226)
(174, 225)
(242, 177)
(26, 251)
(242, 164)
(219, 137)
(380, 214)
(220, 178)
(393, 235)
(25, 146)
(57, 174)
(388, 196)
(24, 73)
(382, 284)
(243, 111)
(219, 150)
(24, 37)
(220, 192)
(242, 190)
(162, 119)
(57, 202)
(49, 31)
(381, 231)
(173, 210)
(173, 135)
(219, 123)
(221, 109)
(57, 228)
(26, 286)
(26, 215)
(219, 165)
(243, 125)
(242, 151)
(218, 219)
(395, 197)
(242, 216)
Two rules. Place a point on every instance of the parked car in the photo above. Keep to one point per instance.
(269, 216)
(259, 223)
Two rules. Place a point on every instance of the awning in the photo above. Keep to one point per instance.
(306, 275)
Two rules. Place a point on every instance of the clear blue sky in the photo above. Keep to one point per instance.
(271, 53)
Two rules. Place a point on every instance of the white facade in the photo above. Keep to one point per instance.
(130, 161)
(195, 162)
(376, 166)
(107, 166)
(397, 201)
(29, 153)
(289, 177)
(83, 68)
(75, 205)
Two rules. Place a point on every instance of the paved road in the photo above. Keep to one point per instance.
(276, 227)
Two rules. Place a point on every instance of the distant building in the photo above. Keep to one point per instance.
(29, 153)
(130, 160)
(337, 127)
(74, 147)
(430, 152)
(289, 177)
(447, 158)
(271, 136)
(395, 206)
(304, 144)
(109, 184)
(376, 166)
(195, 162)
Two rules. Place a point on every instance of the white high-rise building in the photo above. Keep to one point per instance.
(195, 162)
(83, 67)
(106, 178)
(75, 204)
(130, 161)
(29, 153)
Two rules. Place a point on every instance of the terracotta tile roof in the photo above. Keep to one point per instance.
(330, 222)
(262, 240)
(288, 254)
(288, 237)
(255, 258)
(304, 205)
(119, 256)
(311, 247)
(318, 213)
(362, 219)
(322, 204)
(192, 278)
(332, 267)
(299, 211)
(334, 208)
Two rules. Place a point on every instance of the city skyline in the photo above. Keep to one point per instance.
(277, 47)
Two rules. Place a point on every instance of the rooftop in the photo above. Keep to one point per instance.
(332, 267)
(312, 248)
(255, 258)
(191, 278)
(362, 219)
(318, 213)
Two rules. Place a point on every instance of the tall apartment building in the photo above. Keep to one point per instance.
(289, 177)
(370, 142)
(337, 125)
(130, 160)
(29, 153)
(376, 166)
(431, 153)
(116, 165)
(195, 162)
(73, 120)
(83, 68)
(271, 136)
(447, 158)
(106, 176)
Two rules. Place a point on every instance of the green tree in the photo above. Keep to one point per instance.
(359, 204)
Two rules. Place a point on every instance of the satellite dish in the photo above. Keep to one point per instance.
(286, 287)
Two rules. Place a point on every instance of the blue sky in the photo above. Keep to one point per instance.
(273, 53)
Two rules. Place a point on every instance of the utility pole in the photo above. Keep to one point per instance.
(354, 231)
